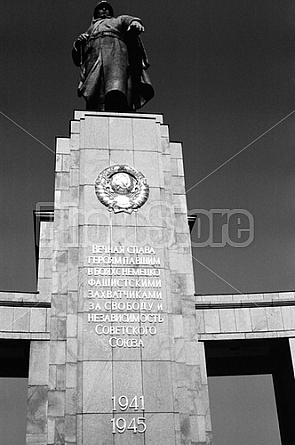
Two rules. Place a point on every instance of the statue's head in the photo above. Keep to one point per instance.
(103, 9)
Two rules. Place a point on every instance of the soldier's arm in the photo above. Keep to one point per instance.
(135, 25)
(78, 47)
(132, 24)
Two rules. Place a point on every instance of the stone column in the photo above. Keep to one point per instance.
(125, 363)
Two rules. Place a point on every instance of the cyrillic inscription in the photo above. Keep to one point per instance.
(137, 278)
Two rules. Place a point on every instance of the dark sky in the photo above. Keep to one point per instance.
(13, 406)
(250, 422)
(224, 74)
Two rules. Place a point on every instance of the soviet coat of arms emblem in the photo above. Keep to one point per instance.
(121, 188)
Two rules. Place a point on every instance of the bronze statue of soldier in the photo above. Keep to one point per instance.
(112, 62)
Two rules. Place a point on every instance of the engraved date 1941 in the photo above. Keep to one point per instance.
(120, 424)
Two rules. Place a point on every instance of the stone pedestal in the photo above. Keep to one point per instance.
(125, 366)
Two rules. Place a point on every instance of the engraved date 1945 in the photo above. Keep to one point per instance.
(120, 424)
